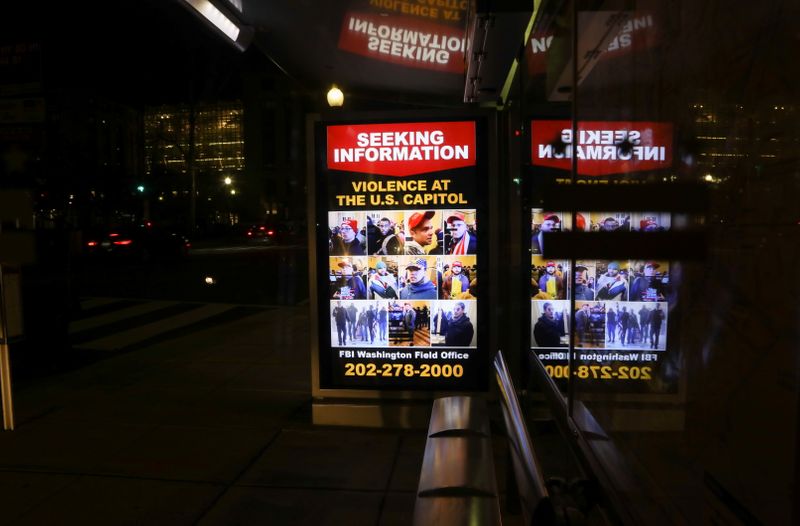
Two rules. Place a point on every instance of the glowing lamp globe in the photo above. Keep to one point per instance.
(335, 97)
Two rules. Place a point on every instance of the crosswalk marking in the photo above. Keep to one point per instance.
(140, 323)
(92, 303)
(110, 317)
(125, 338)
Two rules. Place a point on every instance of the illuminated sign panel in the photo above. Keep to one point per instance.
(398, 255)
(404, 41)
(603, 148)
(401, 149)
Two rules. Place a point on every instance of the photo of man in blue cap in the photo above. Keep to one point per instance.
(418, 286)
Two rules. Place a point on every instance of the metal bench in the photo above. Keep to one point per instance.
(457, 483)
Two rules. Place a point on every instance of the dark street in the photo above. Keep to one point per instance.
(241, 274)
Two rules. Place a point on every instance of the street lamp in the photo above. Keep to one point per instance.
(228, 180)
(335, 97)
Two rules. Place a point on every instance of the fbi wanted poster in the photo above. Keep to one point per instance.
(399, 253)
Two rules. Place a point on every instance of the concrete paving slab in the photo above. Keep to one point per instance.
(405, 476)
(123, 502)
(326, 458)
(398, 509)
(285, 507)
(21, 492)
(189, 453)
(256, 353)
(152, 436)
(274, 377)
(134, 405)
(188, 374)
(54, 446)
(242, 408)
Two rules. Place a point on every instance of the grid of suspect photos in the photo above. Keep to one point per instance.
(403, 278)
(619, 304)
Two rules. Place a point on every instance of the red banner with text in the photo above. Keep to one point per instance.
(401, 150)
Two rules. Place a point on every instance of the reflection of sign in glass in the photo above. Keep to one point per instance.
(444, 10)
(602, 148)
(621, 306)
(402, 261)
(638, 33)
(404, 41)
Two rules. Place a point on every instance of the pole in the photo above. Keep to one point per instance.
(5, 363)
(573, 213)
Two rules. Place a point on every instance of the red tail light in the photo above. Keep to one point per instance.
(113, 234)
(270, 232)
(249, 233)
(91, 244)
(123, 242)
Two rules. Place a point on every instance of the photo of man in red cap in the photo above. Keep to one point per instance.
(650, 221)
(551, 283)
(345, 239)
(649, 284)
(550, 223)
(421, 231)
(462, 241)
(454, 283)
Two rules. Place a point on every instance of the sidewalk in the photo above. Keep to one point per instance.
(210, 428)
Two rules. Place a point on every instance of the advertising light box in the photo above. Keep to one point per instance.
(398, 255)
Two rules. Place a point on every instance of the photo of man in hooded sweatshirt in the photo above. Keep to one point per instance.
(418, 286)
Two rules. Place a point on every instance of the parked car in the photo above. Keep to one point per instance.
(143, 242)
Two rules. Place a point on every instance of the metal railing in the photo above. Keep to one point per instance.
(537, 507)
